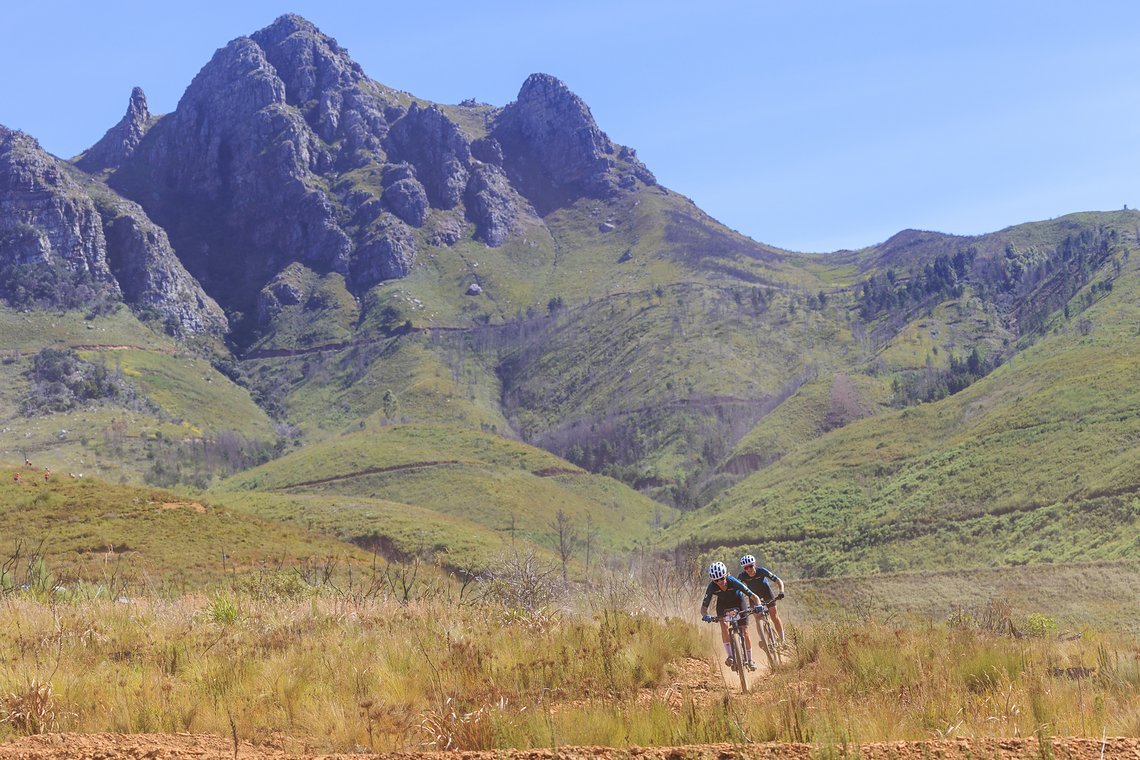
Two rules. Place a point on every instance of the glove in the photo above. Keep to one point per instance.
(779, 596)
(707, 618)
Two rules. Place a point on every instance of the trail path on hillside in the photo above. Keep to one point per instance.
(548, 472)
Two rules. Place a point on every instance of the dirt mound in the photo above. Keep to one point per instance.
(179, 746)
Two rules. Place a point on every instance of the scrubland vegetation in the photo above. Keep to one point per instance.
(512, 659)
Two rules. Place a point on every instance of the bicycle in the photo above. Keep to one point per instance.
(767, 634)
(737, 620)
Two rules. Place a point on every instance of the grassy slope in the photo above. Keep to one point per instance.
(804, 417)
(1036, 462)
(467, 484)
(659, 331)
(1077, 594)
(192, 398)
(394, 530)
(93, 529)
(435, 380)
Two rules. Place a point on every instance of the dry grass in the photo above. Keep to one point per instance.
(467, 668)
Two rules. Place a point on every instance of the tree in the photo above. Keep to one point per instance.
(391, 404)
(567, 540)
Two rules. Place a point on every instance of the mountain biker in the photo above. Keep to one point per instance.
(730, 594)
(756, 579)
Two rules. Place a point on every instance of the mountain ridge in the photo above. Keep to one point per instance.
(374, 259)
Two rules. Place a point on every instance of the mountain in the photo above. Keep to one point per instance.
(1035, 462)
(65, 241)
(315, 266)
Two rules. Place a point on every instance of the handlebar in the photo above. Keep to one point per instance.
(739, 616)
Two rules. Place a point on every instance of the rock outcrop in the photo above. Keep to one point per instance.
(435, 145)
(552, 149)
(404, 195)
(152, 277)
(120, 141)
(81, 240)
(47, 221)
(287, 288)
(491, 205)
(386, 254)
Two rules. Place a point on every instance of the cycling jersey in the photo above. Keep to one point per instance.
(758, 584)
(730, 598)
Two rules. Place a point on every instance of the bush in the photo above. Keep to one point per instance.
(62, 381)
(1039, 626)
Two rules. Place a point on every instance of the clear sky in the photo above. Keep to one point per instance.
(811, 125)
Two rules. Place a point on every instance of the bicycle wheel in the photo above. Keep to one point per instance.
(774, 656)
(738, 659)
(764, 633)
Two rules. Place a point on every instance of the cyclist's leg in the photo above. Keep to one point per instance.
(776, 623)
(762, 638)
(747, 642)
(724, 640)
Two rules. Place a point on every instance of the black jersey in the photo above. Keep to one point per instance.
(730, 598)
(758, 584)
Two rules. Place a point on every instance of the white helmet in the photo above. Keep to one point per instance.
(717, 570)
(747, 559)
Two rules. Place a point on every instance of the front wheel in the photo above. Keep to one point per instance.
(738, 660)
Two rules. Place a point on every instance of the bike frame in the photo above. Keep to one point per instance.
(736, 620)
(767, 635)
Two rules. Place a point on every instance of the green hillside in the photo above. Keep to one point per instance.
(417, 490)
(1037, 462)
(145, 400)
(132, 537)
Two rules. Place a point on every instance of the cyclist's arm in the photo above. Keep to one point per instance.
(705, 603)
(769, 574)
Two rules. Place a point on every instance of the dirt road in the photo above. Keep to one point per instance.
(185, 746)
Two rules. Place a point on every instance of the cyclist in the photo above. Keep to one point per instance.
(756, 579)
(730, 594)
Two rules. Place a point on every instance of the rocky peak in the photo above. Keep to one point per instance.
(551, 144)
(231, 176)
(327, 87)
(46, 220)
(307, 61)
(120, 141)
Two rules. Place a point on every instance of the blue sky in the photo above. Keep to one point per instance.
(813, 126)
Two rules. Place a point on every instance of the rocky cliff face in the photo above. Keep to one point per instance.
(551, 146)
(121, 140)
(62, 245)
(231, 175)
(282, 151)
(46, 220)
(152, 277)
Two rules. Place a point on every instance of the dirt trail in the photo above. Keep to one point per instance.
(185, 746)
